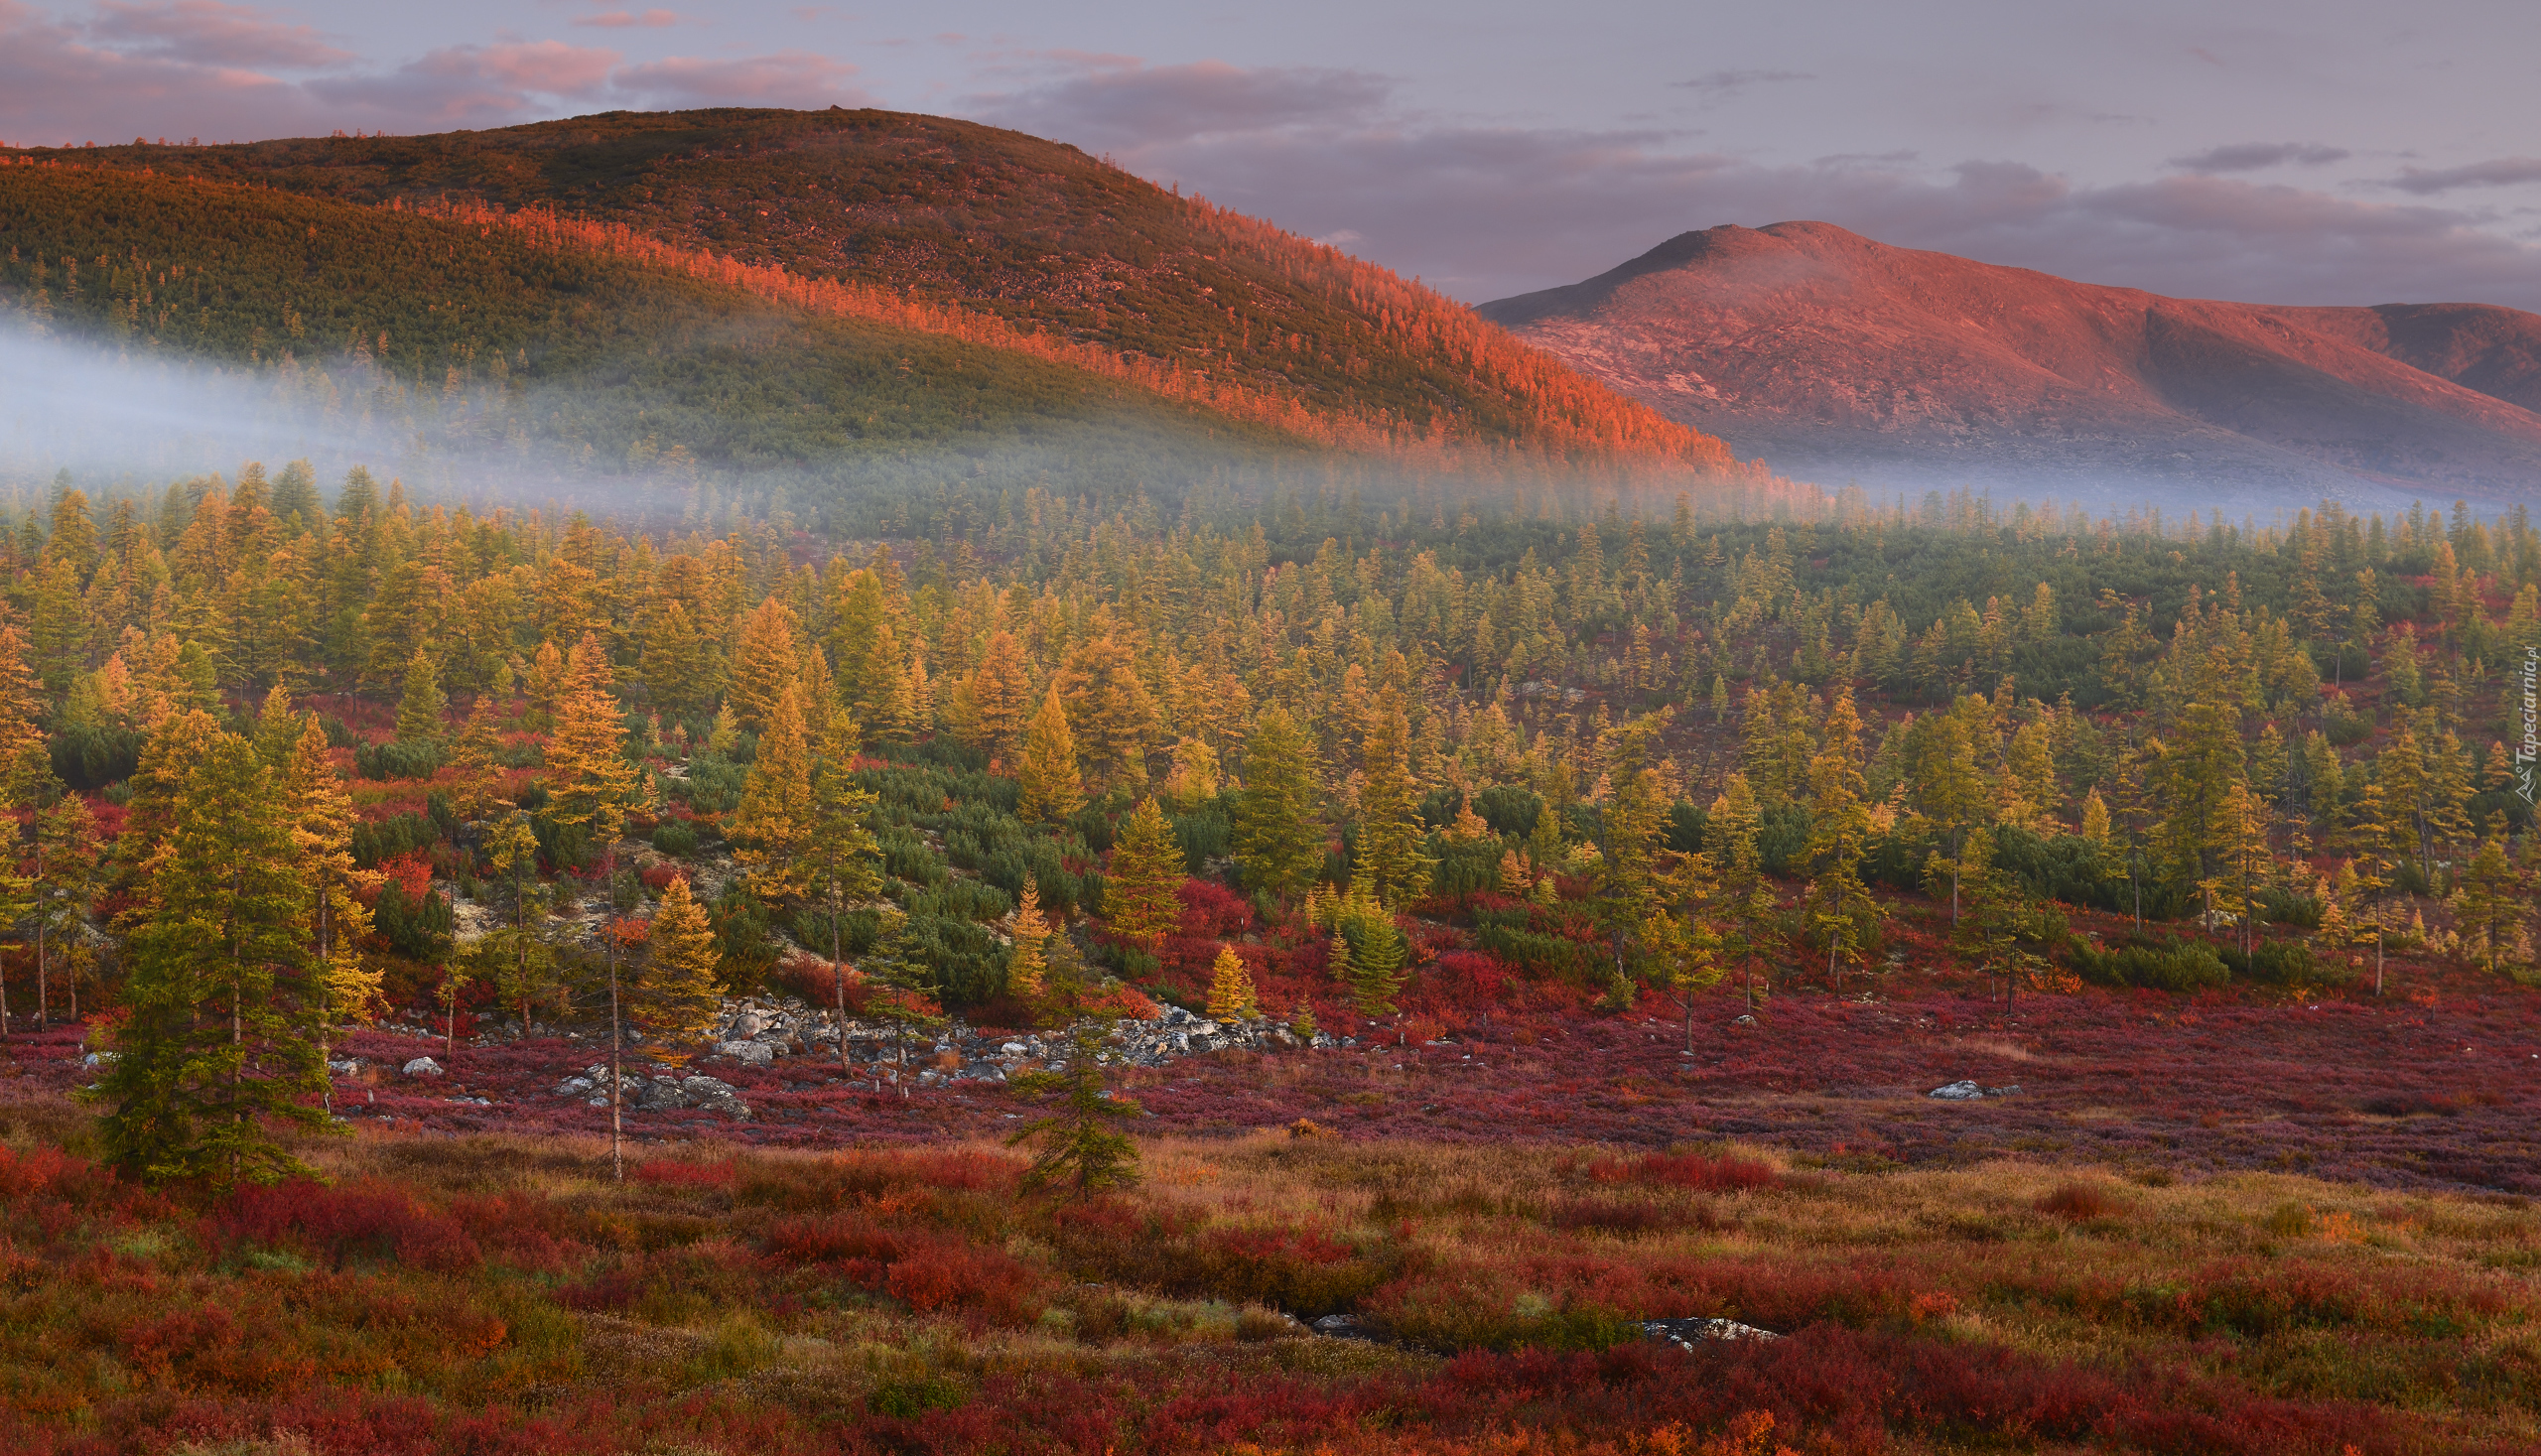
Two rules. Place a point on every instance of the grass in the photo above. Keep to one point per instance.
(503, 1293)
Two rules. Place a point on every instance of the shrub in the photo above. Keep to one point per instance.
(675, 839)
(2284, 963)
(2170, 966)
(1724, 1173)
(357, 1223)
(2079, 1203)
(397, 761)
(1509, 810)
(389, 838)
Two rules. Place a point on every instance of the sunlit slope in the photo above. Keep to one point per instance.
(1001, 225)
(479, 334)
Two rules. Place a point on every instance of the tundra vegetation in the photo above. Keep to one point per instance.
(2208, 836)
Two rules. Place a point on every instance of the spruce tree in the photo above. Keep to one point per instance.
(1278, 828)
(1052, 789)
(217, 1049)
(1142, 890)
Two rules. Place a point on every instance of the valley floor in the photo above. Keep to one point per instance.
(2228, 1225)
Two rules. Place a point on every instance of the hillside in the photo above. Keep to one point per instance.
(1835, 356)
(374, 327)
(1007, 226)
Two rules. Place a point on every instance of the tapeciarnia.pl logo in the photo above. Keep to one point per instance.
(2528, 750)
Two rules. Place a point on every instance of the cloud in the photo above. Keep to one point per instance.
(1720, 86)
(788, 79)
(1114, 100)
(2501, 172)
(478, 85)
(620, 19)
(206, 32)
(1484, 211)
(2259, 156)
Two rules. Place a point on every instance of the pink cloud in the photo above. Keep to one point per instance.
(206, 32)
(1484, 212)
(620, 19)
(788, 79)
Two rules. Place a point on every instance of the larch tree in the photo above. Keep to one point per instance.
(1052, 788)
(764, 660)
(1000, 696)
(589, 782)
(842, 863)
(216, 1047)
(1109, 707)
(319, 812)
(1141, 893)
(1278, 824)
(421, 707)
(1746, 894)
(1842, 825)
(675, 661)
(517, 957)
(1231, 995)
(675, 996)
(1945, 788)
(1028, 962)
(774, 825)
(1391, 848)
(69, 856)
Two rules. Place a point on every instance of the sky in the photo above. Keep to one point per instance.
(2272, 151)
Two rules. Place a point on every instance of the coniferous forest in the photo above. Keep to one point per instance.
(1308, 911)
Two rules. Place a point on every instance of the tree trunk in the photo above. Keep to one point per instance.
(616, 1076)
(838, 968)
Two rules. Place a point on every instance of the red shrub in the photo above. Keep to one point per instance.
(1211, 911)
(961, 1276)
(342, 1224)
(1723, 1174)
(659, 876)
(411, 873)
(677, 1173)
(854, 1178)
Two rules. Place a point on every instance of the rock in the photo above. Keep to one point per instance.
(1344, 1327)
(1743, 1021)
(1692, 1332)
(747, 1024)
(716, 1095)
(573, 1086)
(2012, 1091)
(422, 1067)
(1015, 1048)
(1961, 1090)
(348, 1067)
(661, 1095)
(750, 1053)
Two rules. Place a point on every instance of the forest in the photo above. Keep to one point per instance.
(313, 777)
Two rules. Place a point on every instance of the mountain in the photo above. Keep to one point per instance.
(997, 239)
(1835, 357)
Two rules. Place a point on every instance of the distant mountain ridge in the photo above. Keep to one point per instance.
(1836, 358)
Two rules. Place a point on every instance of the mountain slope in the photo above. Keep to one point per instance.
(998, 224)
(374, 327)
(1835, 356)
